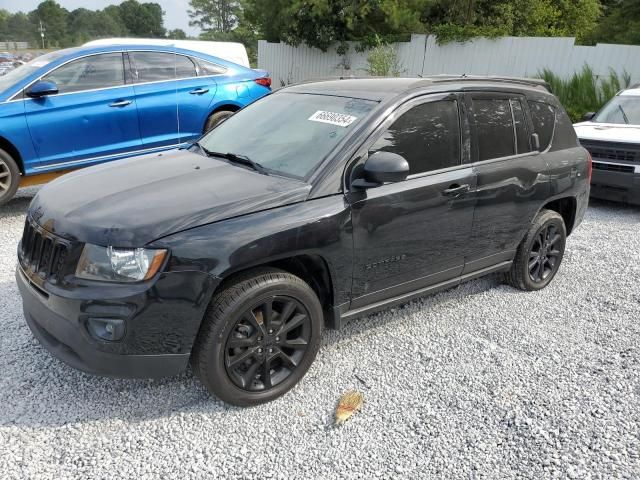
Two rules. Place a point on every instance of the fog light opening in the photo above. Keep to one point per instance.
(109, 329)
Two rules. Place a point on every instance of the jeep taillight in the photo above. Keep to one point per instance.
(589, 166)
(264, 81)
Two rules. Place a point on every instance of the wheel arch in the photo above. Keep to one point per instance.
(226, 106)
(8, 147)
(567, 208)
(310, 267)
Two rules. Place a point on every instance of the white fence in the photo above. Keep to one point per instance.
(14, 45)
(513, 56)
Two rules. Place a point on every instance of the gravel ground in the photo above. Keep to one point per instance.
(481, 381)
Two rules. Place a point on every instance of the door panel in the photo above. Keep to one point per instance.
(91, 116)
(194, 97)
(511, 189)
(408, 235)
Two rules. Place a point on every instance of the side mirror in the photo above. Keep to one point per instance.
(588, 116)
(42, 89)
(382, 167)
(535, 142)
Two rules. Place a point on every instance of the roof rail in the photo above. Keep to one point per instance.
(535, 82)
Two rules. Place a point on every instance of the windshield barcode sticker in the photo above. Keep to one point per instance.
(339, 119)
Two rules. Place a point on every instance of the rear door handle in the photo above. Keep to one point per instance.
(120, 103)
(456, 189)
(199, 91)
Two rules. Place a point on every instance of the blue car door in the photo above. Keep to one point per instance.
(168, 95)
(195, 96)
(92, 116)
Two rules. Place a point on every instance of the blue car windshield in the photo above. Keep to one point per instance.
(288, 133)
(23, 71)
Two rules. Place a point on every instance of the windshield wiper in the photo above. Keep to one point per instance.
(235, 158)
(624, 115)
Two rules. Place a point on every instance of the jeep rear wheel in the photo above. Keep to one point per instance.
(9, 177)
(259, 337)
(540, 254)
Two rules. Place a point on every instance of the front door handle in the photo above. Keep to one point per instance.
(456, 189)
(199, 91)
(120, 103)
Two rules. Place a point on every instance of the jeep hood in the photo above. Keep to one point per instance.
(608, 132)
(132, 202)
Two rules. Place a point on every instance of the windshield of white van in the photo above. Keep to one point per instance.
(623, 109)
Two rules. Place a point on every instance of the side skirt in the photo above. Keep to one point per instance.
(339, 317)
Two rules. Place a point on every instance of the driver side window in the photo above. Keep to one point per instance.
(427, 136)
(89, 73)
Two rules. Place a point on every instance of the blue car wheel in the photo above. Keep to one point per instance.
(9, 177)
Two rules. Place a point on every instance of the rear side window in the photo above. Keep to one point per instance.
(427, 136)
(89, 73)
(160, 66)
(207, 68)
(543, 116)
(494, 128)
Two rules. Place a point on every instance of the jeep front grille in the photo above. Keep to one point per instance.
(42, 253)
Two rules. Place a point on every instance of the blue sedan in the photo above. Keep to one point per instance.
(81, 106)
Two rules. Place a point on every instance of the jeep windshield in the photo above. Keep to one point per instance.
(624, 109)
(288, 133)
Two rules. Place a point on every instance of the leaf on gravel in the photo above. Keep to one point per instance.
(349, 403)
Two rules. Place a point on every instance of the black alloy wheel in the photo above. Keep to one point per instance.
(267, 343)
(540, 253)
(545, 253)
(259, 336)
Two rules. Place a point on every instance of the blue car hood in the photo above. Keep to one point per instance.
(132, 202)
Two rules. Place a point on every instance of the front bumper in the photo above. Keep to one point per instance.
(162, 321)
(616, 185)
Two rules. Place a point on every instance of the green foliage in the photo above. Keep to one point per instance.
(584, 92)
(620, 24)
(456, 20)
(323, 23)
(383, 62)
(64, 28)
(214, 15)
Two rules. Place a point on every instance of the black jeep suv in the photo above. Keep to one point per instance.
(321, 202)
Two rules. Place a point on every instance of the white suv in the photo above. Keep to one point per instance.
(613, 137)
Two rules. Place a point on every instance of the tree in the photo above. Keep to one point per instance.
(54, 19)
(321, 23)
(459, 20)
(142, 19)
(214, 15)
(620, 24)
(177, 34)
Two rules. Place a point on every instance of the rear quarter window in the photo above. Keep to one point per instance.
(564, 135)
(543, 116)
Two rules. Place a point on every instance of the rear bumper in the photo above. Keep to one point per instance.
(616, 186)
(59, 324)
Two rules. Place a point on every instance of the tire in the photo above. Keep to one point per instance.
(239, 336)
(540, 253)
(215, 119)
(9, 177)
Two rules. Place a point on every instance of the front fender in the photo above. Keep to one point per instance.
(320, 227)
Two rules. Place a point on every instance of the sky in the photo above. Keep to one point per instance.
(175, 11)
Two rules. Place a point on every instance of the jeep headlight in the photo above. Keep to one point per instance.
(109, 264)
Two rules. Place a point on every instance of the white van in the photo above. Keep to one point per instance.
(612, 136)
(230, 51)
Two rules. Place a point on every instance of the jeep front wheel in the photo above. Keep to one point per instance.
(259, 337)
